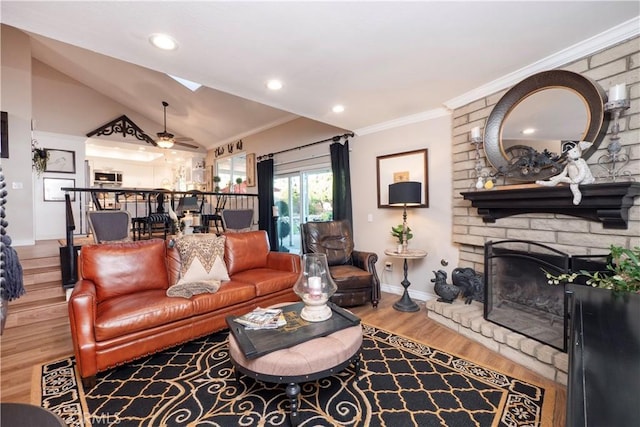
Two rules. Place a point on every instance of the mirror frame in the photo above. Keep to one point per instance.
(592, 94)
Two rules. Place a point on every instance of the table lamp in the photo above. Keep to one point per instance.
(405, 193)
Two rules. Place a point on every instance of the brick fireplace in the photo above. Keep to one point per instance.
(563, 232)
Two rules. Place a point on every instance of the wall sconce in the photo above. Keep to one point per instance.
(616, 159)
(476, 140)
(405, 193)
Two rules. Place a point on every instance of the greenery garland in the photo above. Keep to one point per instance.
(622, 275)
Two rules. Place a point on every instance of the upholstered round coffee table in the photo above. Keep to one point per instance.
(314, 359)
(24, 414)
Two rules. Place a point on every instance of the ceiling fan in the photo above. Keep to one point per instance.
(166, 139)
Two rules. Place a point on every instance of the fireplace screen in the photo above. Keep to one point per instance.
(517, 295)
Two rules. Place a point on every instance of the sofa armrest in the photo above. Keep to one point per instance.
(283, 261)
(82, 318)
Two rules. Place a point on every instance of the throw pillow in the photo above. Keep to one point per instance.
(202, 259)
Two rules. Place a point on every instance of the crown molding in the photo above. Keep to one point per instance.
(403, 121)
(614, 35)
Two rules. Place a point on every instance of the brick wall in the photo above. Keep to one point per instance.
(617, 64)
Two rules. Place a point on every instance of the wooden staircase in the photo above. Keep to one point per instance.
(37, 327)
(45, 298)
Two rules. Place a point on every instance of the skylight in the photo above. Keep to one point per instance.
(193, 86)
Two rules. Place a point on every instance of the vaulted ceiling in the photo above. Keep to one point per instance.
(385, 62)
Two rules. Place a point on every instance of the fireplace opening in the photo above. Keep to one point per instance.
(518, 295)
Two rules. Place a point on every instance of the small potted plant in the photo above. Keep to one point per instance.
(216, 180)
(397, 232)
(238, 185)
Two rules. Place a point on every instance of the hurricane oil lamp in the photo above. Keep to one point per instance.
(314, 287)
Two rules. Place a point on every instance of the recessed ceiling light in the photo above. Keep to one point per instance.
(274, 84)
(338, 108)
(163, 41)
(528, 131)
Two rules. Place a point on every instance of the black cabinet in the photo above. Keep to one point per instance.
(604, 358)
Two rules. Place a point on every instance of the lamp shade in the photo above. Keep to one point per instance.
(405, 193)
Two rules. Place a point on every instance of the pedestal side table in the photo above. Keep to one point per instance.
(406, 303)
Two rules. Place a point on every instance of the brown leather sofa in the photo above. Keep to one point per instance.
(353, 271)
(119, 310)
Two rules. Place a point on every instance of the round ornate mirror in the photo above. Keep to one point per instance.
(538, 119)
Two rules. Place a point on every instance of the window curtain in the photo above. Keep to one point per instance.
(341, 181)
(266, 201)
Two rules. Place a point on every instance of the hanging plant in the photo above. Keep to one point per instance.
(39, 157)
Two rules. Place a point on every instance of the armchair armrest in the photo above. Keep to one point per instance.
(365, 260)
(283, 261)
(82, 318)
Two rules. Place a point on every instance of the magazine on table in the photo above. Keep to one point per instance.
(262, 318)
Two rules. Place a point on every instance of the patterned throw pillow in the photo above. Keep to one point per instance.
(202, 258)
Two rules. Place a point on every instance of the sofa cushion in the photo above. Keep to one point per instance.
(267, 280)
(126, 314)
(246, 251)
(230, 294)
(350, 277)
(202, 258)
(115, 267)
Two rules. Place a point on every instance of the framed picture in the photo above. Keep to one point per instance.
(62, 161)
(251, 170)
(407, 166)
(52, 189)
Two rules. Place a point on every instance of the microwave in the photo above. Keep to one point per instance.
(112, 178)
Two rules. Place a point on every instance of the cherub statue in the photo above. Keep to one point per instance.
(575, 173)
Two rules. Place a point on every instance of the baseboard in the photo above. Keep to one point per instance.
(399, 290)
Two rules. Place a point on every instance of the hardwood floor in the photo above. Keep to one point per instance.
(46, 337)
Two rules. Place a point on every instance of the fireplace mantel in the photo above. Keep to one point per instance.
(607, 203)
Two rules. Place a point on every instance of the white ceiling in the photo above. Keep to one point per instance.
(386, 62)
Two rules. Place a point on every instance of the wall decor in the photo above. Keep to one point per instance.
(407, 166)
(219, 151)
(62, 161)
(251, 170)
(545, 96)
(52, 189)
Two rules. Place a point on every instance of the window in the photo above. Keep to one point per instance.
(301, 197)
(229, 169)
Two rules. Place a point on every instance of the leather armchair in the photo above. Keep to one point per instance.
(353, 271)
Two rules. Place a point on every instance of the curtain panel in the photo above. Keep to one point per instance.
(266, 201)
(342, 208)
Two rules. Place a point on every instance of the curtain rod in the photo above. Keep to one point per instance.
(334, 139)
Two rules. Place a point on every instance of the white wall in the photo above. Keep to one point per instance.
(15, 99)
(50, 216)
(431, 226)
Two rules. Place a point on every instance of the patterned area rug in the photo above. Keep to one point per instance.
(401, 383)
